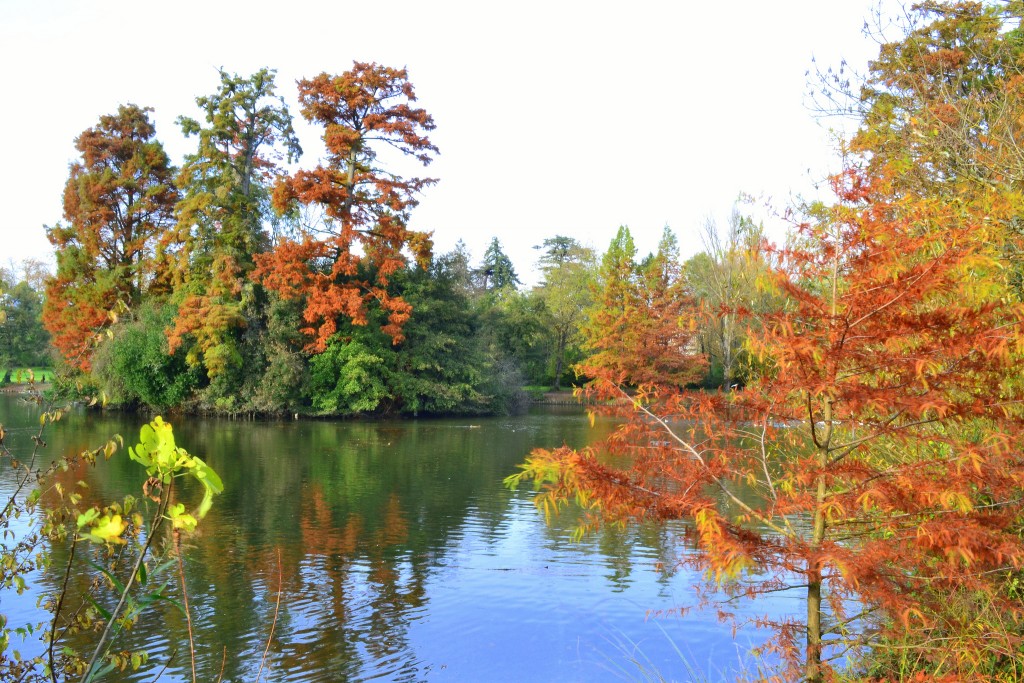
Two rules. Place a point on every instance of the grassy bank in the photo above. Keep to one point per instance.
(25, 375)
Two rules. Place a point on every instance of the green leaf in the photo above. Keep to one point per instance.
(208, 476)
(104, 612)
(101, 672)
(87, 517)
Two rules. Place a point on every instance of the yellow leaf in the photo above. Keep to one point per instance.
(108, 529)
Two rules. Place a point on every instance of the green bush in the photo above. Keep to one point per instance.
(134, 367)
(349, 378)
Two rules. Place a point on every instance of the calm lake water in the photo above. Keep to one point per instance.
(403, 558)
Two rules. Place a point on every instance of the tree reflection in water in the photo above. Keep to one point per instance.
(402, 557)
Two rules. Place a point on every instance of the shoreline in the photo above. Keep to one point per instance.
(24, 387)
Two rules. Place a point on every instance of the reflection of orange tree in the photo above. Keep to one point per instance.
(349, 563)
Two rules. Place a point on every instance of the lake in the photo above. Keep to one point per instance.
(401, 557)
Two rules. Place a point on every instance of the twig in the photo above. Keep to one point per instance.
(56, 611)
(223, 663)
(157, 519)
(277, 608)
(184, 594)
(166, 664)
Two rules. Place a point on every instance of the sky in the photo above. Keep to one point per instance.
(553, 117)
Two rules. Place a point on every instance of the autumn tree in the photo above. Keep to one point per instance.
(221, 217)
(940, 99)
(940, 110)
(874, 466)
(637, 328)
(344, 267)
(568, 269)
(664, 316)
(615, 291)
(118, 200)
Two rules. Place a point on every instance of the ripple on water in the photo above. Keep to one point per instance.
(405, 559)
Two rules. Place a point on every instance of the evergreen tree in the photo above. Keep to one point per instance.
(496, 271)
(221, 218)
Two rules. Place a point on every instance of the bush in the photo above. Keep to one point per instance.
(134, 367)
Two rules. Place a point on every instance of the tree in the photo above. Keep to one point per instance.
(136, 367)
(496, 271)
(875, 465)
(118, 201)
(623, 311)
(663, 316)
(225, 203)
(515, 329)
(345, 268)
(438, 368)
(940, 110)
(614, 293)
(23, 340)
(938, 101)
(635, 329)
(568, 269)
(725, 281)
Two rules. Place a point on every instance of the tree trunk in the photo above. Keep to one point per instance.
(812, 670)
(812, 667)
(559, 356)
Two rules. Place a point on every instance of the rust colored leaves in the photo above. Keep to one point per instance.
(346, 266)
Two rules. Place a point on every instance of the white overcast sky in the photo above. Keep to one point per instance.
(552, 117)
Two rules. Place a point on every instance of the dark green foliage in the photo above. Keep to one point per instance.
(496, 272)
(439, 364)
(503, 385)
(516, 332)
(135, 368)
(350, 377)
(282, 385)
(437, 369)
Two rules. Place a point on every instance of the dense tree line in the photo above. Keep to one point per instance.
(230, 285)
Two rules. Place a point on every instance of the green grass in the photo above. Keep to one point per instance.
(536, 391)
(21, 375)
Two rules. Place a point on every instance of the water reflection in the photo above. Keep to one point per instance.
(400, 556)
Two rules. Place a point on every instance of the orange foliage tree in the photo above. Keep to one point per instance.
(344, 264)
(633, 332)
(876, 463)
(117, 202)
